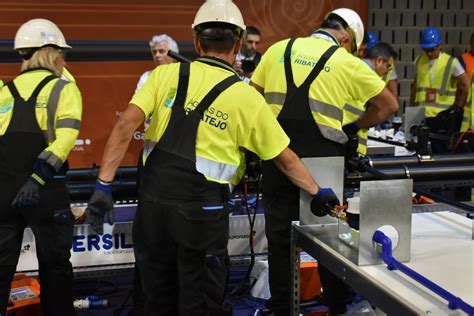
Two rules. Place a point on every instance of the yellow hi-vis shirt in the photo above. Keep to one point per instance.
(355, 109)
(67, 75)
(437, 80)
(352, 111)
(58, 111)
(343, 78)
(239, 118)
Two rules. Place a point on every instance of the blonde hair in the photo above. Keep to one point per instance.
(43, 57)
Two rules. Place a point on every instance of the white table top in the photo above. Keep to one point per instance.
(442, 250)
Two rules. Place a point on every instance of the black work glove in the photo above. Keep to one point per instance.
(351, 128)
(449, 113)
(448, 121)
(323, 202)
(29, 192)
(100, 203)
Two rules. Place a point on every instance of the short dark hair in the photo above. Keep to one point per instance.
(334, 22)
(381, 50)
(252, 30)
(218, 37)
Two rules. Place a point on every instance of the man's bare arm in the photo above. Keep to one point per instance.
(118, 141)
(384, 105)
(462, 90)
(292, 166)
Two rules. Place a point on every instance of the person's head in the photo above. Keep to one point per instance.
(383, 56)
(430, 42)
(159, 46)
(346, 25)
(218, 29)
(471, 42)
(250, 44)
(40, 43)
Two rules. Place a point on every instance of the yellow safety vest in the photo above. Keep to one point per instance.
(438, 80)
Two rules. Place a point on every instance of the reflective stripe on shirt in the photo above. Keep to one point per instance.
(52, 107)
(215, 170)
(353, 110)
(447, 72)
(51, 159)
(319, 107)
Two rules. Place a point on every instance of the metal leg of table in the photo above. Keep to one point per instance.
(295, 276)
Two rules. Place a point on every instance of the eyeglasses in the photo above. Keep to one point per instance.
(389, 64)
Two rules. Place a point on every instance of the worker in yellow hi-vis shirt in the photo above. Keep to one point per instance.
(193, 155)
(440, 86)
(381, 59)
(306, 82)
(40, 116)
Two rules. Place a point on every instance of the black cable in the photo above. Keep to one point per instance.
(251, 218)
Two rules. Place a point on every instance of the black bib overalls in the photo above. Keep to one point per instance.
(181, 228)
(51, 221)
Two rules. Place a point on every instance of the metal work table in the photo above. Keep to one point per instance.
(442, 250)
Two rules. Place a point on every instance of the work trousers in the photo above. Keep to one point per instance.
(52, 225)
(281, 205)
(181, 253)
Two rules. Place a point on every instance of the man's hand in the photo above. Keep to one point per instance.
(100, 203)
(29, 192)
(323, 202)
(238, 67)
(350, 129)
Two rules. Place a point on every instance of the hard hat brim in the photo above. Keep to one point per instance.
(429, 45)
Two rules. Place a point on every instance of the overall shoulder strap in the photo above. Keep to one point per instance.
(40, 86)
(14, 91)
(214, 93)
(182, 86)
(290, 83)
(319, 65)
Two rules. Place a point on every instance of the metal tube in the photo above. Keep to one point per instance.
(384, 162)
(416, 189)
(178, 57)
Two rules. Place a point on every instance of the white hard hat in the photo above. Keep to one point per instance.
(354, 22)
(38, 33)
(224, 11)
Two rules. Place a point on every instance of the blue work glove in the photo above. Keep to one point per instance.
(29, 192)
(351, 128)
(323, 202)
(100, 203)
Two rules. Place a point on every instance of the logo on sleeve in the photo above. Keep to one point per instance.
(6, 107)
